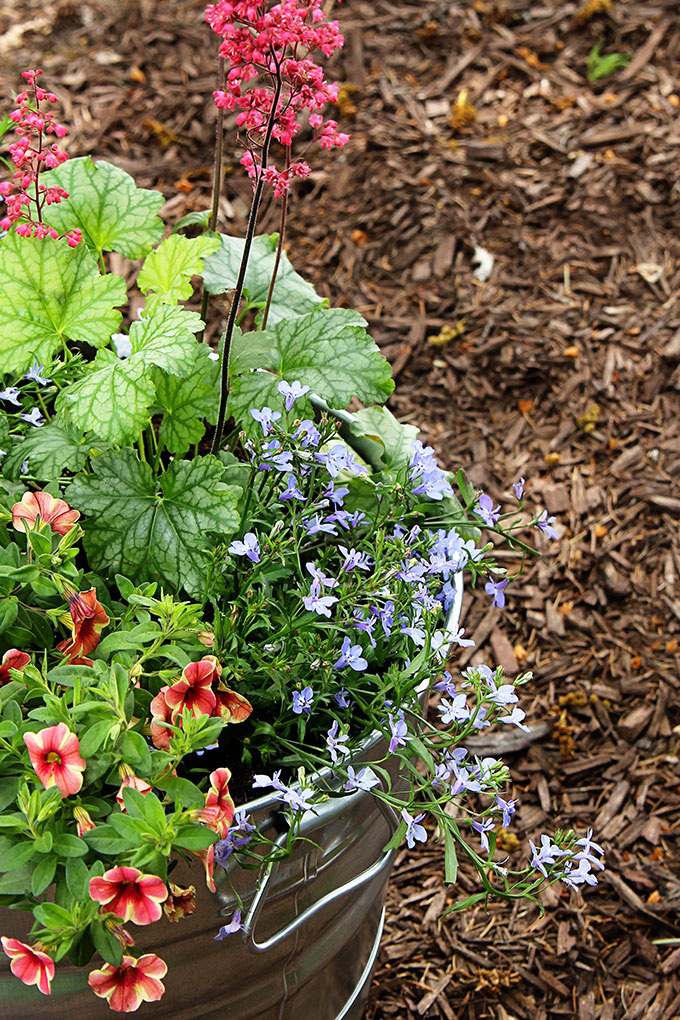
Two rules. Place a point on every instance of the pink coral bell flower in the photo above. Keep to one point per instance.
(134, 982)
(29, 964)
(53, 513)
(130, 894)
(55, 756)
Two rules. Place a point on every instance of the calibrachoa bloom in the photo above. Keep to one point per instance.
(160, 713)
(134, 982)
(54, 754)
(12, 659)
(130, 894)
(53, 513)
(219, 806)
(30, 965)
(89, 619)
(128, 778)
(230, 705)
(180, 902)
(194, 691)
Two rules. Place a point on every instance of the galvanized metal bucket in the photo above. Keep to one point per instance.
(312, 928)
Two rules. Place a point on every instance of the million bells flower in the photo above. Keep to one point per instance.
(29, 964)
(130, 894)
(53, 513)
(12, 659)
(55, 756)
(134, 982)
(88, 618)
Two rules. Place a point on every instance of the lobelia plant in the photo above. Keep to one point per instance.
(159, 585)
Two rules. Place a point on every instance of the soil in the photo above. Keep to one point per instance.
(474, 125)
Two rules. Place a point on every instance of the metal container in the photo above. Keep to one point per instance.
(312, 928)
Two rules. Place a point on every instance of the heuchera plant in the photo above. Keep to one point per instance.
(289, 587)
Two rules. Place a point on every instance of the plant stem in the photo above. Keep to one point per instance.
(238, 289)
(279, 247)
(217, 179)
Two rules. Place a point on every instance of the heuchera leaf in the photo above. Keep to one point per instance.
(114, 396)
(187, 403)
(50, 293)
(168, 269)
(106, 204)
(49, 450)
(154, 528)
(112, 399)
(292, 294)
(329, 350)
(381, 439)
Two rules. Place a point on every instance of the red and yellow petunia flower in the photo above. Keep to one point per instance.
(88, 621)
(128, 778)
(12, 659)
(130, 894)
(193, 691)
(55, 756)
(134, 982)
(160, 713)
(219, 807)
(230, 705)
(30, 965)
(180, 903)
(53, 513)
(84, 822)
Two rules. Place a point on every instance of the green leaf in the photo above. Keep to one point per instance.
(187, 402)
(49, 450)
(198, 218)
(94, 737)
(154, 528)
(13, 855)
(43, 873)
(168, 269)
(397, 837)
(194, 837)
(329, 350)
(50, 293)
(105, 203)
(600, 66)
(9, 610)
(166, 339)
(469, 901)
(292, 295)
(107, 945)
(77, 878)
(68, 845)
(133, 747)
(186, 792)
(381, 439)
(450, 857)
(112, 399)
(105, 840)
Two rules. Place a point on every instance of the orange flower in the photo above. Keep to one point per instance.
(54, 754)
(89, 620)
(130, 779)
(134, 982)
(130, 894)
(180, 902)
(29, 964)
(53, 513)
(12, 659)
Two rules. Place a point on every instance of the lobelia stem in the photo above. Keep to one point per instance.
(279, 247)
(238, 289)
(217, 180)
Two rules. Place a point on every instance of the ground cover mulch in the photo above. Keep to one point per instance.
(474, 126)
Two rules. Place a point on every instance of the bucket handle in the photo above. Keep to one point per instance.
(375, 869)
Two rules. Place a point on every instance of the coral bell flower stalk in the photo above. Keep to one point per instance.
(88, 621)
(53, 513)
(54, 754)
(30, 965)
(134, 982)
(129, 894)
(193, 691)
(12, 659)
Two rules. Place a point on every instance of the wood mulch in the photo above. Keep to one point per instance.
(474, 126)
